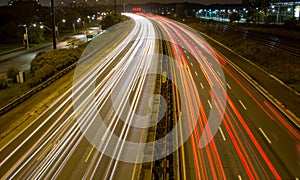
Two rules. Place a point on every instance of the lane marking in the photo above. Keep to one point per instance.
(209, 104)
(44, 152)
(218, 73)
(88, 156)
(228, 86)
(185, 51)
(223, 136)
(196, 73)
(182, 153)
(188, 57)
(242, 104)
(201, 85)
(263, 133)
(141, 138)
(240, 177)
(192, 64)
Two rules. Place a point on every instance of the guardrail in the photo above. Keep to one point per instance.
(32, 92)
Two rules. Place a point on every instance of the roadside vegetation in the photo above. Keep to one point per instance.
(44, 66)
(112, 19)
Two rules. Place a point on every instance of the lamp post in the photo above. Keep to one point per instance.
(124, 6)
(26, 34)
(44, 26)
(27, 42)
(115, 6)
(53, 24)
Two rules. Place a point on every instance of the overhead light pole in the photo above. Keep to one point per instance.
(27, 41)
(115, 6)
(123, 6)
(26, 36)
(53, 25)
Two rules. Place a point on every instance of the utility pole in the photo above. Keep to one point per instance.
(123, 10)
(53, 25)
(115, 6)
(123, 6)
(27, 41)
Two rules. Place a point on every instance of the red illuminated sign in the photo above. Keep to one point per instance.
(136, 10)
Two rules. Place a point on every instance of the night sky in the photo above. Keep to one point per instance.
(46, 2)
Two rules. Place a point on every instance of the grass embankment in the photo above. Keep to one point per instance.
(5, 48)
(277, 62)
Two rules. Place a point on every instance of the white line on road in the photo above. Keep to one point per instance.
(209, 104)
(263, 133)
(185, 51)
(242, 104)
(223, 136)
(240, 177)
(218, 73)
(201, 85)
(196, 73)
(188, 57)
(228, 86)
(88, 156)
(192, 64)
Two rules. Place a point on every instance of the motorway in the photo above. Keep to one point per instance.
(228, 129)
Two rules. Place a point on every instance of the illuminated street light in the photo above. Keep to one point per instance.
(26, 34)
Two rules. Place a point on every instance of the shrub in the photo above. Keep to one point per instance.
(12, 73)
(46, 64)
(4, 83)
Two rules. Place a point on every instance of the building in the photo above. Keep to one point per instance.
(275, 11)
(282, 10)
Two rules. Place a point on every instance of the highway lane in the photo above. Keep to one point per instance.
(250, 143)
(253, 138)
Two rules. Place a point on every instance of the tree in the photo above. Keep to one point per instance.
(36, 35)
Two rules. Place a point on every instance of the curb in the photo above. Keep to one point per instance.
(12, 51)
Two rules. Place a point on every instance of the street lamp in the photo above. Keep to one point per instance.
(115, 6)
(26, 34)
(42, 26)
(53, 25)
